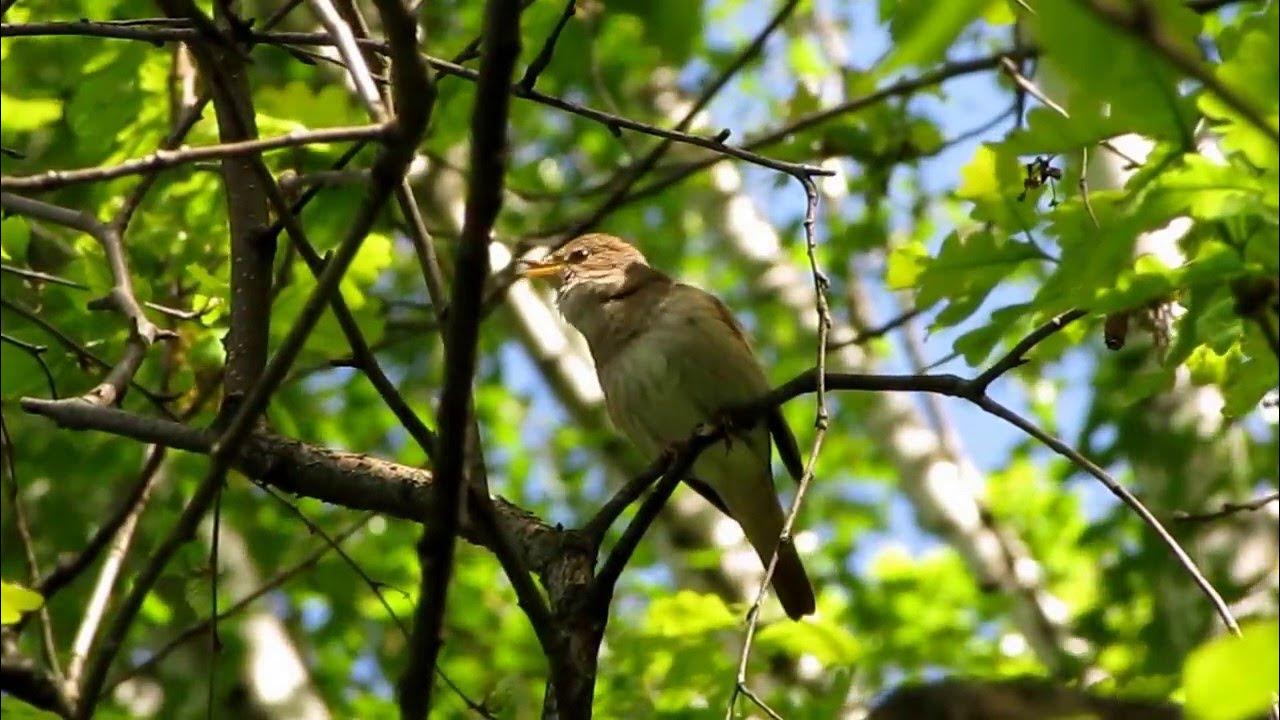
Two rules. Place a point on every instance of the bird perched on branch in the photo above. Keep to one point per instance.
(671, 357)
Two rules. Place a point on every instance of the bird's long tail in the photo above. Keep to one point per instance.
(762, 525)
(792, 584)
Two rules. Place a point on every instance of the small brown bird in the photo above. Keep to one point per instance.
(669, 357)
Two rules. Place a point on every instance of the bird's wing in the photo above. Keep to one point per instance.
(788, 450)
(734, 377)
(693, 361)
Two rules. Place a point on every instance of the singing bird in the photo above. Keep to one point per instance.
(670, 357)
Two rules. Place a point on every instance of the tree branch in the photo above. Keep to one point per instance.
(350, 480)
(543, 58)
(820, 422)
(82, 354)
(444, 67)
(23, 679)
(387, 171)
(142, 332)
(162, 159)
(633, 174)
(500, 49)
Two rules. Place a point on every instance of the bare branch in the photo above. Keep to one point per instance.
(350, 480)
(37, 353)
(23, 679)
(543, 58)
(1228, 509)
(500, 49)
(820, 422)
(142, 332)
(201, 626)
(83, 355)
(162, 159)
(635, 172)
(444, 67)
(118, 533)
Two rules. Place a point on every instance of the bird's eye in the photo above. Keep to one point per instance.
(578, 255)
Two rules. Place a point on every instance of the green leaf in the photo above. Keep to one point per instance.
(828, 642)
(1232, 678)
(15, 709)
(1251, 69)
(993, 182)
(905, 264)
(15, 234)
(1208, 190)
(16, 600)
(672, 25)
(971, 264)
(1136, 83)
(976, 345)
(688, 613)
(25, 115)
(924, 29)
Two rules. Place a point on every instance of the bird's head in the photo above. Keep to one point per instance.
(596, 261)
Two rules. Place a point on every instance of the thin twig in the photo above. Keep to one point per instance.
(543, 58)
(12, 491)
(1220, 605)
(865, 336)
(1228, 509)
(635, 172)
(142, 332)
(37, 276)
(444, 67)
(118, 533)
(190, 116)
(69, 569)
(37, 353)
(83, 355)
(821, 423)
(162, 159)
(199, 628)
(1026, 85)
(345, 40)
(676, 465)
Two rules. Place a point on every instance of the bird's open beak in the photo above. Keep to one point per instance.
(538, 268)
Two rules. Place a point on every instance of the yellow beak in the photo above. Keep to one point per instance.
(538, 268)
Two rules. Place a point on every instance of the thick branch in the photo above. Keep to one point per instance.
(500, 49)
(350, 480)
(23, 679)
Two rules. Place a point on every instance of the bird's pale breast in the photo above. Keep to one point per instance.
(689, 363)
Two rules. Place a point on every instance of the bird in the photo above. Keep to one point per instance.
(671, 357)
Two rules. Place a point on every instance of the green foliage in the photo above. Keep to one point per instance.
(15, 601)
(15, 709)
(1232, 678)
